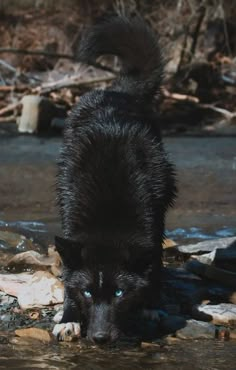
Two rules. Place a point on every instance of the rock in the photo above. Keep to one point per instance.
(223, 313)
(35, 333)
(207, 245)
(206, 258)
(10, 240)
(168, 243)
(43, 290)
(30, 258)
(196, 329)
(56, 267)
(36, 260)
(12, 283)
(12, 243)
(33, 290)
(37, 113)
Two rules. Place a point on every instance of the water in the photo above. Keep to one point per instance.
(184, 355)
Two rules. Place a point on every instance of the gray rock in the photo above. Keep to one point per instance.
(196, 329)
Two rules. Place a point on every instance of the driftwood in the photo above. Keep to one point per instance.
(70, 82)
(177, 96)
(55, 85)
(226, 113)
(9, 108)
(182, 97)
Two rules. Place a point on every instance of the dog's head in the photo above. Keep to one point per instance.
(104, 285)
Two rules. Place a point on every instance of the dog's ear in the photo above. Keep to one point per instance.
(69, 250)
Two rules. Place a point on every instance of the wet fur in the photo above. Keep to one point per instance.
(115, 184)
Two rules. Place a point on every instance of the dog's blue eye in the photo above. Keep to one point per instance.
(87, 294)
(119, 293)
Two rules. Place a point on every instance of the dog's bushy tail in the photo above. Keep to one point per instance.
(137, 47)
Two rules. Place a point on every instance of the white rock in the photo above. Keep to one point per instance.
(207, 245)
(43, 289)
(221, 313)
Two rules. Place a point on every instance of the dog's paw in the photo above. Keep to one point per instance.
(152, 315)
(67, 332)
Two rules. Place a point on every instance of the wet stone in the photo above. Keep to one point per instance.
(9, 240)
(36, 261)
(35, 333)
(196, 329)
(11, 244)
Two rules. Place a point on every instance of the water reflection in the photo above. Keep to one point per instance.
(184, 355)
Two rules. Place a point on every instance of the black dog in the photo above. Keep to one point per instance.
(115, 184)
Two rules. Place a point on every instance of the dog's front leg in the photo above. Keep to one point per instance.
(68, 328)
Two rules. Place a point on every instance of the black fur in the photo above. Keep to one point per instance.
(115, 184)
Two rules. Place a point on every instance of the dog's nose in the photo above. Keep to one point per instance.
(101, 337)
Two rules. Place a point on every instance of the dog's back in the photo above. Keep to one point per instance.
(113, 172)
(115, 182)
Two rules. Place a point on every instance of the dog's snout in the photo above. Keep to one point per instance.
(101, 337)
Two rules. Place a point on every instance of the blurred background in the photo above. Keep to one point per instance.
(41, 79)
